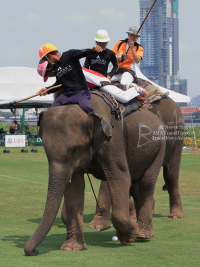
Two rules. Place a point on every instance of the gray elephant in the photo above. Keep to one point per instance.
(130, 164)
(170, 114)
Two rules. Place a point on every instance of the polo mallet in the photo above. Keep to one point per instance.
(29, 97)
(146, 17)
(141, 25)
(105, 227)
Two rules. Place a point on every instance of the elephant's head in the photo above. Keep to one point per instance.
(70, 138)
(70, 135)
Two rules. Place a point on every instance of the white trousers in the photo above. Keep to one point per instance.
(126, 78)
(123, 96)
(120, 95)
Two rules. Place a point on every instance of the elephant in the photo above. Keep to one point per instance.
(76, 143)
(170, 114)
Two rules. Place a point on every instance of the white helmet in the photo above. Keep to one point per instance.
(102, 36)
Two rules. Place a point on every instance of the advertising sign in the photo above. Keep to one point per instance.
(15, 140)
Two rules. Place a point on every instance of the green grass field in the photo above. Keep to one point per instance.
(23, 188)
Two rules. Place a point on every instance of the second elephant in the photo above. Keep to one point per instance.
(170, 114)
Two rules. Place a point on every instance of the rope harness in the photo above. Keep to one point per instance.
(116, 108)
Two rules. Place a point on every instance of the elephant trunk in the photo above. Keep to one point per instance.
(56, 190)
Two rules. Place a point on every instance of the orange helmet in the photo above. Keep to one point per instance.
(45, 49)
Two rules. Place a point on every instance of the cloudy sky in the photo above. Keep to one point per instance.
(26, 25)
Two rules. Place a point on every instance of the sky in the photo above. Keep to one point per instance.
(25, 25)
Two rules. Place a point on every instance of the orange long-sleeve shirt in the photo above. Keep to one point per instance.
(129, 62)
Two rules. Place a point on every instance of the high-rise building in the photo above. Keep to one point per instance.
(160, 40)
(196, 101)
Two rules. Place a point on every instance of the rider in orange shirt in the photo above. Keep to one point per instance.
(128, 53)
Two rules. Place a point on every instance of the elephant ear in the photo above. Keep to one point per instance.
(39, 123)
(102, 131)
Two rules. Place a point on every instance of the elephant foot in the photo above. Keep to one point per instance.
(128, 237)
(98, 222)
(74, 246)
(145, 234)
(176, 214)
(125, 238)
(31, 253)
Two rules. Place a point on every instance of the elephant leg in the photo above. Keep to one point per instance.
(63, 214)
(119, 191)
(132, 210)
(171, 177)
(74, 205)
(143, 197)
(142, 191)
(102, 217)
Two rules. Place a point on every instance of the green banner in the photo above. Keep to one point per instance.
(2, 140)
(22, 122)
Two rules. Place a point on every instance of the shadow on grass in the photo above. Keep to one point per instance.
(140, 240)
(159, 215)
(58, 222)
(50, 243)
(54, 241)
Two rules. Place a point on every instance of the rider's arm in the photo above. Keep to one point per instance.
(77, 54)
(137, 54)
(115, 65)
(44, 91)
(87, 63)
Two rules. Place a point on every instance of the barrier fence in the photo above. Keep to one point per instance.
(30, 140)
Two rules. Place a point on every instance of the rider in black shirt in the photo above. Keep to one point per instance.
(67, 69)
(100, 61)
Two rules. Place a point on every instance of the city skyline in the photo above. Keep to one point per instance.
(25, 27)
(160, 40)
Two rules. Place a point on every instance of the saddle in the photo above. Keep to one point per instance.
(118, 110)
(154, 93)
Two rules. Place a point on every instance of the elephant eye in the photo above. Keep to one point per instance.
(75, 151)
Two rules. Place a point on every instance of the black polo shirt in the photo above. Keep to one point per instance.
(100, 61)
(69, 72)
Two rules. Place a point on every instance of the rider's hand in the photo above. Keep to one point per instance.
(109, 78)
(43, 91)
(98, 48)
(131, 44)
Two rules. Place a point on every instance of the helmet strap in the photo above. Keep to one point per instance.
(49, 60)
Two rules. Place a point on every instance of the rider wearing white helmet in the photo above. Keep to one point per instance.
(100, 61)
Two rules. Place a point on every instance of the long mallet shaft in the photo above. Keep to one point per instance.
(143, 22)
(146, 16)
(29, 97)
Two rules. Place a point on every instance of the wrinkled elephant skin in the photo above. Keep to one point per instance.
(170, 114)
(76, 143)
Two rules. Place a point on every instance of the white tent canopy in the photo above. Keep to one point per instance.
(20, 82)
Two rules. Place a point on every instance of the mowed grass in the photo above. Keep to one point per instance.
(23, 188)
